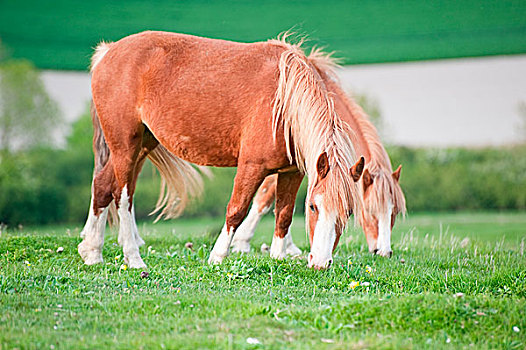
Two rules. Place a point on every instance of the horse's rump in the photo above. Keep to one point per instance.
(180, 181)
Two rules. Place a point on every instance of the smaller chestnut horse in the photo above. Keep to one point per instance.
(379, 186)
(262, 107)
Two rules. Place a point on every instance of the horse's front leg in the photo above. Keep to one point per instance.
(286, 190)
(260, 206)
(246, 182)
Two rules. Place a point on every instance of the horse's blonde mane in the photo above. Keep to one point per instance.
(305, 109)
(385, 187)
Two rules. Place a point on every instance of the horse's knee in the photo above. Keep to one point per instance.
(282, 228)
(235, 216)
(283, 222)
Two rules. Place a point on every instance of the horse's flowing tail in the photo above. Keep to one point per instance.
(180, 180)
(100, 148)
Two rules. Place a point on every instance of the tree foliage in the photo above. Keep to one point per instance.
(28, 116)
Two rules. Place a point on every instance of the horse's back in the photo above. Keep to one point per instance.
(192, 92)
(164, 52)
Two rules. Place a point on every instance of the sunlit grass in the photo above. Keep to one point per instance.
(454, 281)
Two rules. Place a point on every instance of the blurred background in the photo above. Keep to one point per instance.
(443, 81)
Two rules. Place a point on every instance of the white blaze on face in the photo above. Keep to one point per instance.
(384, 232)
(324, 237)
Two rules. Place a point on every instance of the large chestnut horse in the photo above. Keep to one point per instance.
(262, 107)
(381, 193)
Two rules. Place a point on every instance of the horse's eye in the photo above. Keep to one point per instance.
(311, 207)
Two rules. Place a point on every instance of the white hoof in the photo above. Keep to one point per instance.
(215, 258)
(292, 250)
(134, 262)
(240, 247)
(91, 256)
(277, 255)
(387, 253)
(277, 248)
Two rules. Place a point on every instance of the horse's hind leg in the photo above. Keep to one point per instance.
(148, 144)
(138, 239)
(90, 249)
(130, 248)
(128, 155)
(260, 206)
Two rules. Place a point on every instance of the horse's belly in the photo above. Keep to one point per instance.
(211, 144)
(203, 153)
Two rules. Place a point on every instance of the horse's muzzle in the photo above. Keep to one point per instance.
(318, 264)
(386, 254)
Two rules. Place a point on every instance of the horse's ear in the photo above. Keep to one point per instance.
(323, 166)
(367, 179)
(396, 174)
(357, 169)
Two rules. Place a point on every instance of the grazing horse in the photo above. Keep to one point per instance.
(380, 191)
(262, 107)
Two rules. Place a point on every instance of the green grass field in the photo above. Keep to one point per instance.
(60, 34)
(51, 300)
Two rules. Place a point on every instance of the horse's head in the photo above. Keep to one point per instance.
(330, 202)
(383, 200)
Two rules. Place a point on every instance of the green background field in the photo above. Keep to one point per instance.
(61, 34)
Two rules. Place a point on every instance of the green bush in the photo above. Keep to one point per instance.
(30, 191)
(28, 116)
(458, 179)
(432, 180)
(49, 186)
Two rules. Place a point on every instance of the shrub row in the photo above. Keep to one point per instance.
(51, 186)
(463, 179)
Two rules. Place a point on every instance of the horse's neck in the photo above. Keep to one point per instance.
(366, 139)
(361, 145)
